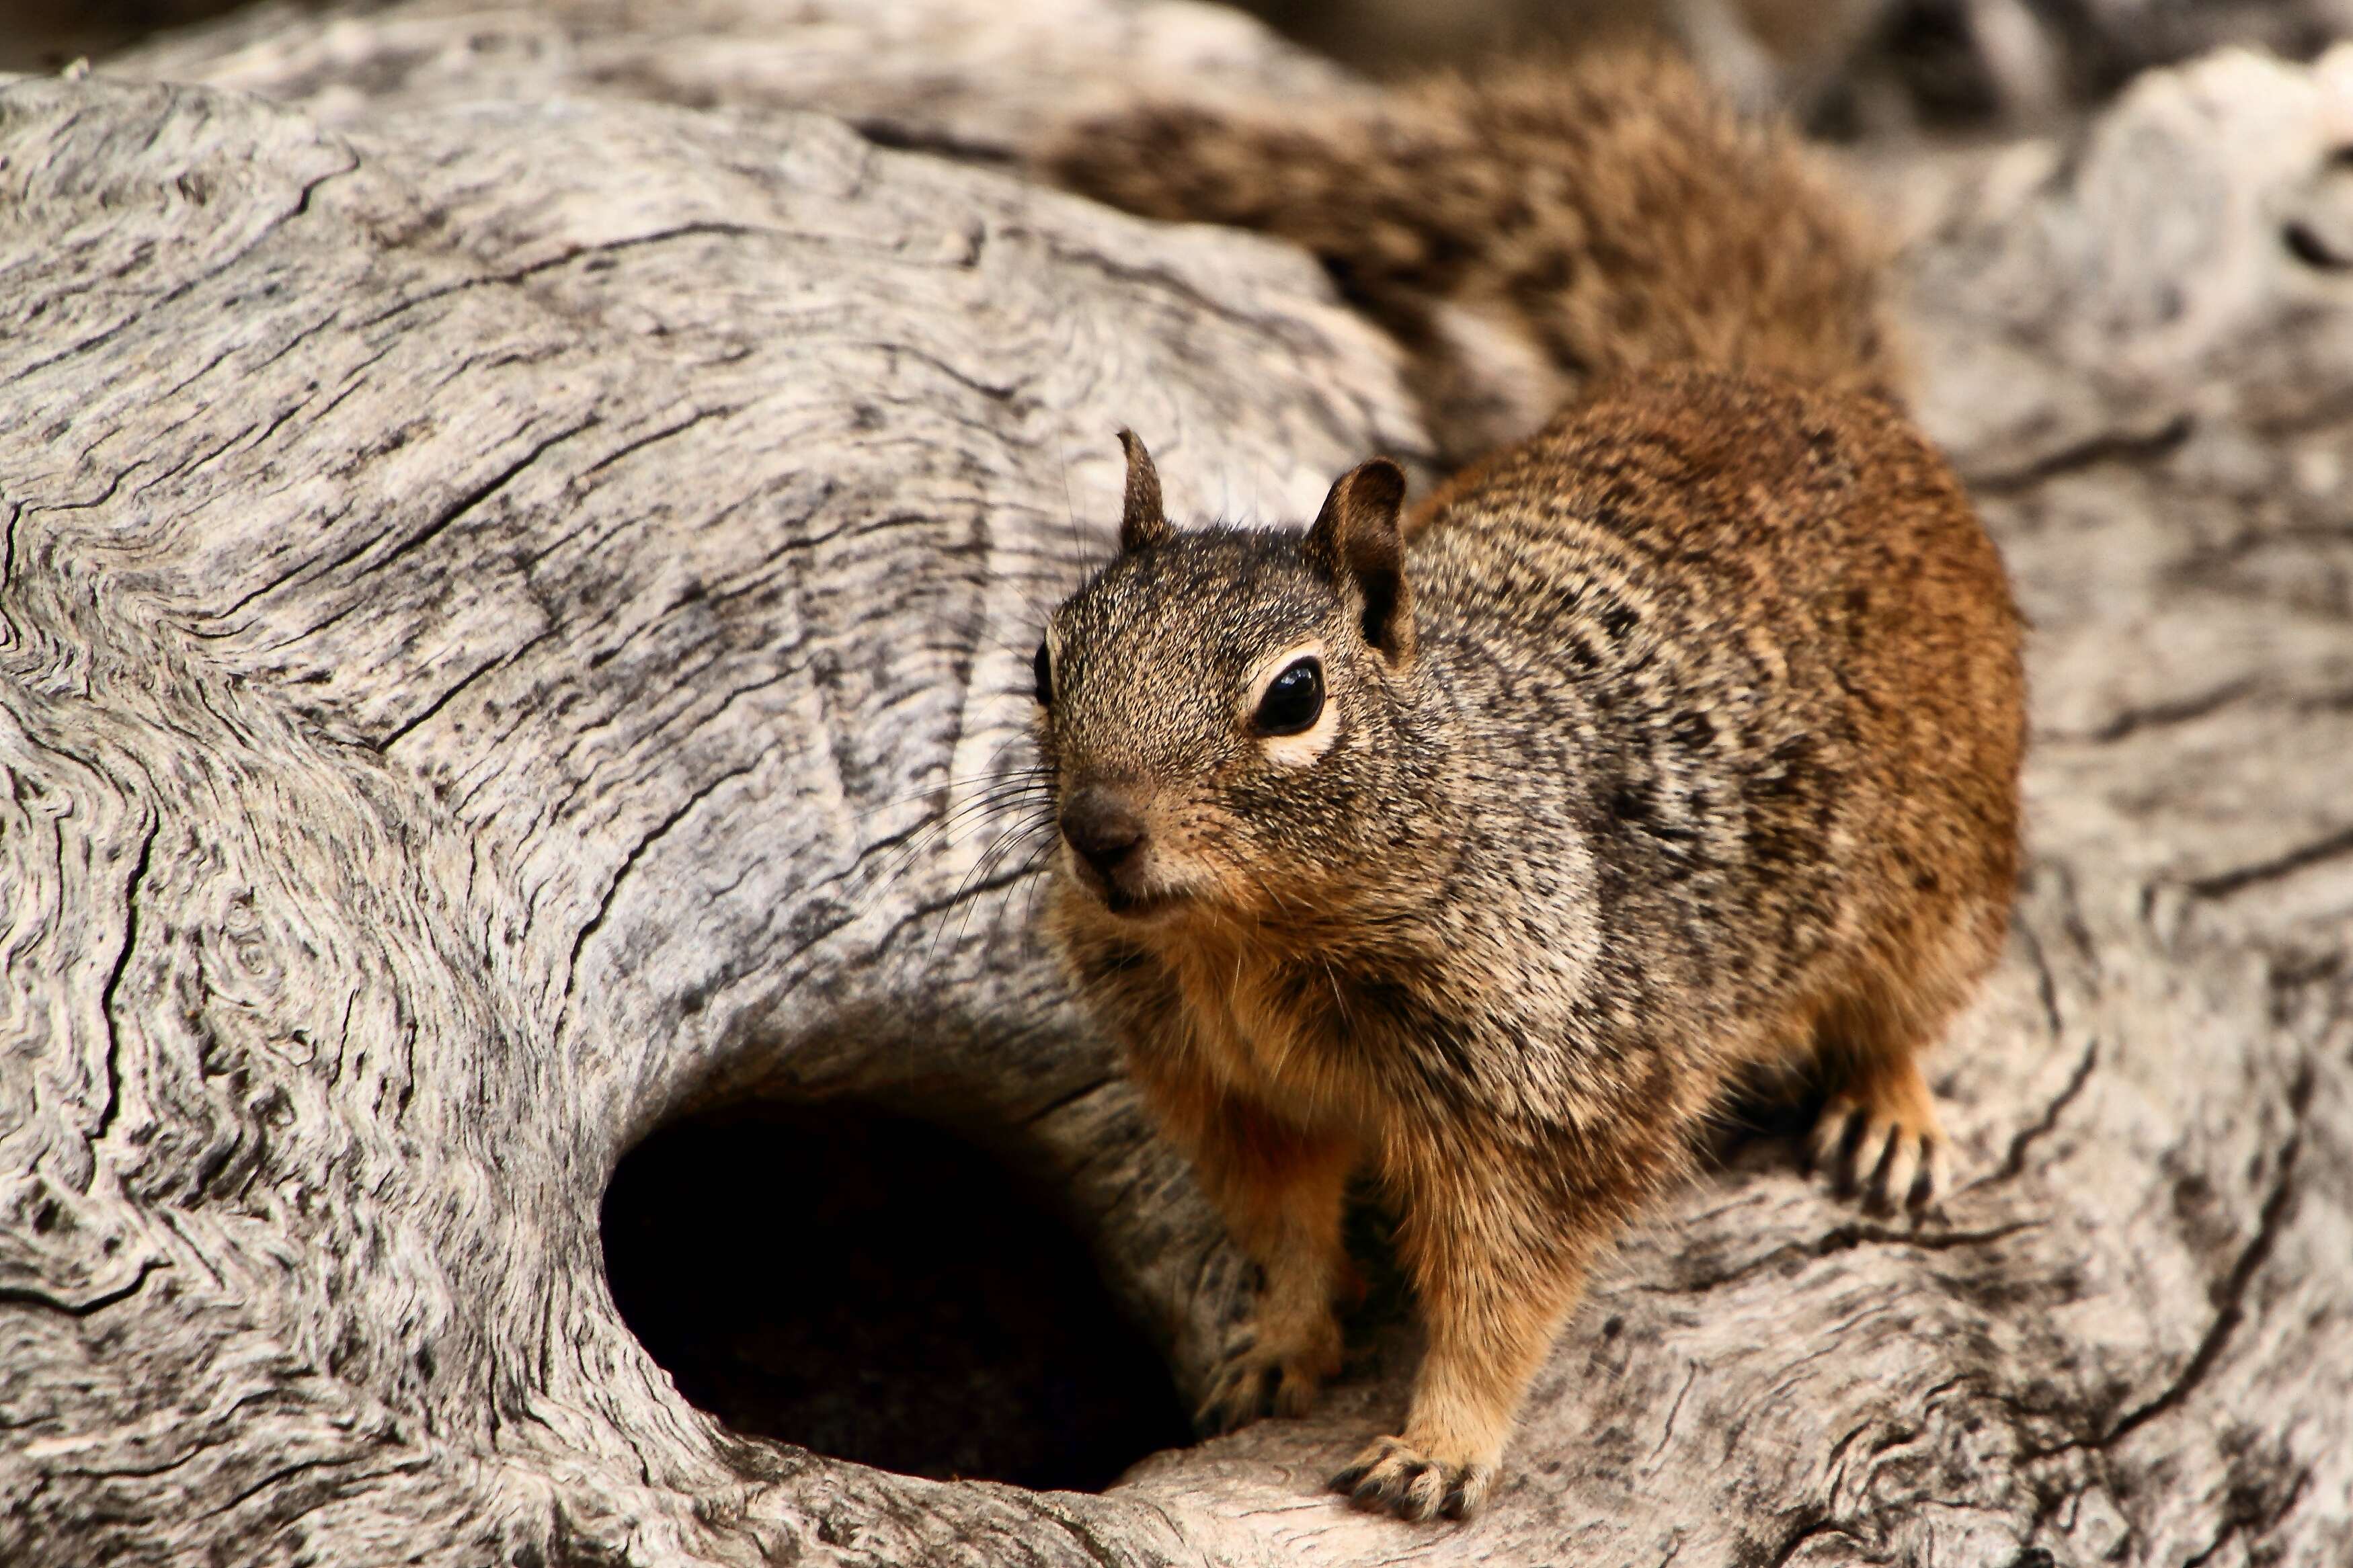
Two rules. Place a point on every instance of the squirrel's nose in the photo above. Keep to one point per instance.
(1102, 827)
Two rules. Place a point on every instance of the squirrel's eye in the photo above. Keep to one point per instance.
(1293, 700)
(1042, 667)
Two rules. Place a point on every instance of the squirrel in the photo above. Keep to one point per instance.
(1494, 847)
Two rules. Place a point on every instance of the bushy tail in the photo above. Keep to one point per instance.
(1531, 230)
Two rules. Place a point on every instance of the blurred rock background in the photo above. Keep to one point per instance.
(1848, 67)
(44, 34)
(1851, 70)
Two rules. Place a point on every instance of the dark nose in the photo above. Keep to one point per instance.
(1102, 827)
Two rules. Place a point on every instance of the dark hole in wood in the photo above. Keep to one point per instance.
(871, 1287)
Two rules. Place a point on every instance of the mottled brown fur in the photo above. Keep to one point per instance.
(1677, 742)
(1531, 231)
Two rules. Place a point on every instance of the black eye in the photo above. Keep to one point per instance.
(1293, 699)
(1042, 668)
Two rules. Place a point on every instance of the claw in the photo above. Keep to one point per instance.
(1891, 1162)
(1393, 1476)
(1827, 1150)
(1266, 1374)
(1238, 1398)
(1902, 1169)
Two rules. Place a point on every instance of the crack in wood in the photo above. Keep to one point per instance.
(25, 1296)
(2229, 1295)
(2175, 712)
(2014, 1163)
(638, 852)
(654, 437)
(2112, 446)
(1817, 1523)
(2245, 1516)
(496, 661)
(465, 504)
(2225, 884)
(9, 565)
(2046, 981)
(1845, 1238)
(2233, 1293)
(106, 997)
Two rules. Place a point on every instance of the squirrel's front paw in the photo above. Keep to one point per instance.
(1894, 1156)
(1270, 1372)
(1392, 1476)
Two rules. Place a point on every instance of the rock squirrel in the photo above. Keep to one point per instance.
(1491, 850)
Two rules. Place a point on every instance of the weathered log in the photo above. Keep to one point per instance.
(504, 603)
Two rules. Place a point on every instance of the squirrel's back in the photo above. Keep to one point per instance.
(1532, 231)
(1789, 654)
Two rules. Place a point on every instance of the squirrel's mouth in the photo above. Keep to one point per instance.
(1113, 893)
(1135, 906)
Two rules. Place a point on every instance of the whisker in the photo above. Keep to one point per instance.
(946, 829)
(993, 774)
(994, 786)
(1013, 846)
(978, 874)
(943, 832)
(1042, 861)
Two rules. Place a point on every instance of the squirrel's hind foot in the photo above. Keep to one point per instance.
(1393, 1476)
(1269, 1374)
(1879, 1138)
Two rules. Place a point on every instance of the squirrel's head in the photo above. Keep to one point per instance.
(1226, 716)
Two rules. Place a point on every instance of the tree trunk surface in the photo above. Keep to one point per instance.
(520, 544)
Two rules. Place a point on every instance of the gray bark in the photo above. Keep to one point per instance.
(504, 599)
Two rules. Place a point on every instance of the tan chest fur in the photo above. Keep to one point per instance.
(1240, 997)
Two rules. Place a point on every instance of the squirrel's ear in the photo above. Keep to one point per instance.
(1141, 521)
(1356, 537)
